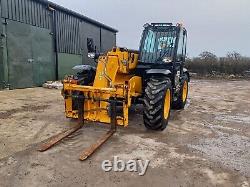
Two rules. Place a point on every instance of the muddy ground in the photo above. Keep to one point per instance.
(207, 144)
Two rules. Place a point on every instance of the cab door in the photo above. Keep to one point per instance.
(180, 56)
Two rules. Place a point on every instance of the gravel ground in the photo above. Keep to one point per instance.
(207, 144)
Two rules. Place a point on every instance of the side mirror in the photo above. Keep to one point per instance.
(91, 48)
(90, 45)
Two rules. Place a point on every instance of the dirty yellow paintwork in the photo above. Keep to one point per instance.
(185, 91)
(167, 102)
(113, 80)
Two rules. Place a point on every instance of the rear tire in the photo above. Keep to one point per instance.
(182, 95)
(157, 104)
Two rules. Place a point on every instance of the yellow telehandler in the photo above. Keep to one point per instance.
(153, 76)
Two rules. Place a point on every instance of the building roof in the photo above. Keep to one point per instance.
(80, 16)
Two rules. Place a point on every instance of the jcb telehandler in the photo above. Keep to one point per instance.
(153, 76)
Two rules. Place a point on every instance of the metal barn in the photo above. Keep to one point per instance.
(42, 41)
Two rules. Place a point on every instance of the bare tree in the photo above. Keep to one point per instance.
(208, 56)
(235, 56)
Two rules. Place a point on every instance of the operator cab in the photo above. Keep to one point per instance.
(163, 43)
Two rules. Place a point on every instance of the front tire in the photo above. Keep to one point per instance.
(157, 104)
(181, 100)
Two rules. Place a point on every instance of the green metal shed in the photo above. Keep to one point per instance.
(42, 41)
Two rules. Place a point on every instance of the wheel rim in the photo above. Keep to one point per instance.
(185, 91)
(167, 104)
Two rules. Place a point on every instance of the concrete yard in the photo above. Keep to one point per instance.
(207, 144)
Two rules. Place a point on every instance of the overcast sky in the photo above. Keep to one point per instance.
(218, 26)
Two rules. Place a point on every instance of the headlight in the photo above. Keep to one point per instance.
(167, 59)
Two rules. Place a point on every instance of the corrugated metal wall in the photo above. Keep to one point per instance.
(108, 40)
(68, 36)
(71, 31)
(72, 34)
(1, 52)
(1, 57)
(27, 11)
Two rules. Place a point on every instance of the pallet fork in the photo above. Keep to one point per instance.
(91, 149)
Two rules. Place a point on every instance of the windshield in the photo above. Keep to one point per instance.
(157, 44)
